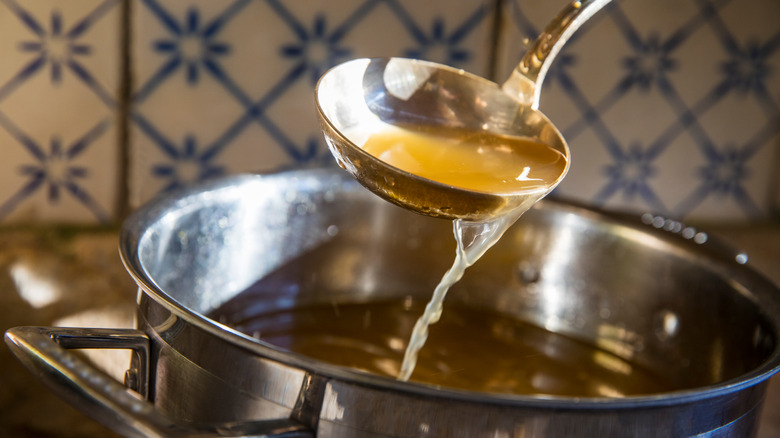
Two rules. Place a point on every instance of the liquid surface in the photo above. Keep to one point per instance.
(468, 349)
(478, 161)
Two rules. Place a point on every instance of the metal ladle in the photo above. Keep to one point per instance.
(358, 97)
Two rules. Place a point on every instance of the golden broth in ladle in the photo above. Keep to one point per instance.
(479, 161)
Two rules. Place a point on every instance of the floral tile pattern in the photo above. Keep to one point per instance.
(59, 110)
(225, 87)
(671, 106)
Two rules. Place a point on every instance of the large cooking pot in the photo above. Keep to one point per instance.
(653, 291)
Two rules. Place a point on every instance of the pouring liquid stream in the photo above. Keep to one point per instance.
(479, 161)
(484, 235)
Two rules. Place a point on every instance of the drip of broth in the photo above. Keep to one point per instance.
(478, 161)
(469, 349)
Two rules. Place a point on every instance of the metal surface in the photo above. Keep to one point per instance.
(356, 98)
(691, 310)
(81, 384)
(43, 350)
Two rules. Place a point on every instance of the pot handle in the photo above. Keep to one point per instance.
(44, 352)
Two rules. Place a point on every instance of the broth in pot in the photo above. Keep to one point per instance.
(468, 349)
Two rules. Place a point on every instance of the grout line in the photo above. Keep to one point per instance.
(123, 195)
(495, 40)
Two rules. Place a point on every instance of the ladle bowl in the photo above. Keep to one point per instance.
(359, 97)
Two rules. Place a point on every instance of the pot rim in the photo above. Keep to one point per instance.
(137, 223)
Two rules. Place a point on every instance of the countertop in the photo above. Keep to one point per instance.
(73, 277)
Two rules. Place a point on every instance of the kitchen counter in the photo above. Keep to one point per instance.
(73, 277)
(57, 277)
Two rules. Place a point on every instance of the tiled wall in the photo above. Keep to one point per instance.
(60, 110)
(671, 105)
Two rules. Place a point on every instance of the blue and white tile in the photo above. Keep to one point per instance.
(671, 106)
(59, 110)
(227, 87)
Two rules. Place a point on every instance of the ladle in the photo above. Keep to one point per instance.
(359, 97)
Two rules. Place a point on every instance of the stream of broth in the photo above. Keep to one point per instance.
(469, 349)
(479, 161)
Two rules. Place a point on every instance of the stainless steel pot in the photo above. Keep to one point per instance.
(654, 291)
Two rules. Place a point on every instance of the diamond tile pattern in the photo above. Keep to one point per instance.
(60, 73)
(228, 87)
(671, 105)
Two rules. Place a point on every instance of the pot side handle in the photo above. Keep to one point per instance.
(122, 408)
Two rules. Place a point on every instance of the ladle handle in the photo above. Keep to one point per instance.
(44, 351)
(525, 82)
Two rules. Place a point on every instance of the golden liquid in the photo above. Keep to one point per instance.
(468, 349)
(479, 161)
